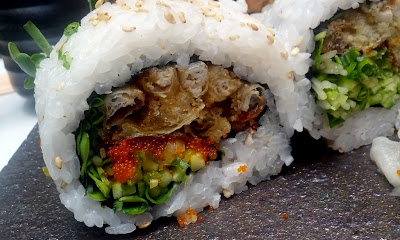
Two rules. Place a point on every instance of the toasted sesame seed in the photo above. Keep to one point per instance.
(253, 26)
(214, 4)
(169, 17)
(103, 16)
(102, 153)
(295, 51)
(270, 30)
(220, 18)
(162, 4)
(99, 3)
(63, 185)
(284, 55)
(299, 40)
(58, 162)
(60, 86)
(181, 16)
(128, 28)
(271, 39)
(210, 14)
(95, 22)
(163, 47)
(290, 75)
(144, 225)
(139, 4)
(234, 37)
(140, 10)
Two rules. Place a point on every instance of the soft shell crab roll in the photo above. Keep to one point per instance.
(155, 108)
(354, 73)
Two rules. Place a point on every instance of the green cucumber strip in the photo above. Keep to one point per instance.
(84, 147)
(141, 188)
(117, 206)
(97, 196)
(133, 205)
(97, 102)
(104, 188)
(181, 164)
(333, 122)
(117, 190)
(317, 59)
(38, 37)
(163, 198)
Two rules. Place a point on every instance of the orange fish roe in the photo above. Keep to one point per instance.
(242, 168)
(123, 154)
(211, 208)
(201, 219)
(187, 218)
(398, 172)
(285, 216)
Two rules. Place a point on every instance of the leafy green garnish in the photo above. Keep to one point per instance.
(92, 4)
(38, 37)
(23, 60)
(71, 29)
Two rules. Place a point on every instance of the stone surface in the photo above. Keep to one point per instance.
(324, 194)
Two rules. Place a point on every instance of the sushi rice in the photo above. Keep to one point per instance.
(294, 22)
(118, 40)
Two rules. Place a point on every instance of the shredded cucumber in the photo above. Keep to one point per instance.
(353, 81)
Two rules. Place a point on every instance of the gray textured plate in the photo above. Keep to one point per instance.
(324, 194)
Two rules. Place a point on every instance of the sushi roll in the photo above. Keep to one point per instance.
(352, 72)
(156, 108)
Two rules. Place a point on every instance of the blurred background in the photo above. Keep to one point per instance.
(17, 113)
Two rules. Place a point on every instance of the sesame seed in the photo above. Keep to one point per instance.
(210, 14)
(163, 47)
(128, 28)
(139, 4)
(99, 3)
(63, 185)
(214, 4)
(253, 26)
(169, 17)
(58, 162)
(270, 30)
(242, 24)
(299, 40)
(181, 16)
(234, 37)
(295, 51)
(60, 86)
(271, 39)
(220, 18)
(162, 4)
(284, 55)
(290, 75)
(141, 10)
(102, 153)
(144, 225)
(95, 22)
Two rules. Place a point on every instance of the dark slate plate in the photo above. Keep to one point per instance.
(324, 194)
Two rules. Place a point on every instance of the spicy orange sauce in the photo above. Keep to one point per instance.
(123, 154)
